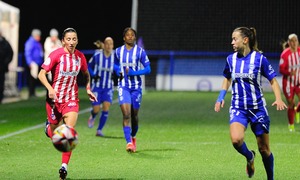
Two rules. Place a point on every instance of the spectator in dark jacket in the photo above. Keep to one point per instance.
(6, 55)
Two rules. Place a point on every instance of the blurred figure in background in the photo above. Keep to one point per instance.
(34, 54)
(51, 43)
(6, 55)
(289, 67)
(101, 67)
(99, 44)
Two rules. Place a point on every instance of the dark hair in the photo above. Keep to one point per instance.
(127, 29)
(284, 44)
(251, 34)
(68, 30)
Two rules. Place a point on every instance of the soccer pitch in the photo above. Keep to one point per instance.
(180, 137)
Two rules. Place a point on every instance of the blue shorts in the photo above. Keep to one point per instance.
(133, 97)
(258, 119)
(102, 95)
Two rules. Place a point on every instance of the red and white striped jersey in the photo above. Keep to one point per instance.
(64, 68)
(290, 61)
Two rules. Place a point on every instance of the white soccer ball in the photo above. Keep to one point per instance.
(64, 138)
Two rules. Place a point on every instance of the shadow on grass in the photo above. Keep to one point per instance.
(98, 179)
(143, 153)
(111, 137)
(161, 149)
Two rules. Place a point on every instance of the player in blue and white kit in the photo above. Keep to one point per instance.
(133, 62)
(244, 70)
(101, 67)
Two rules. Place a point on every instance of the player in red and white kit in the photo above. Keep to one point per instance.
(289, 67)
(62, 102)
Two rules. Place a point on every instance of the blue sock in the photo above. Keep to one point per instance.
(269, 166)
(134, 131)
(127, 136)
(102, 120)
(244, 151)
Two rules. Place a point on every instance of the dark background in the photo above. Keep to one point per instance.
(198, 25)
(173, 25)
(92, 19)
(191, 25)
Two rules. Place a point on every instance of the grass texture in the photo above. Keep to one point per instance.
(180, 137)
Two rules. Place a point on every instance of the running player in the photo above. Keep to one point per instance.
(243, 71)
(289, 67)
(62, 102)
(101, 67)
(130, 58)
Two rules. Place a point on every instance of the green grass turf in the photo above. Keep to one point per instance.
(180, 137)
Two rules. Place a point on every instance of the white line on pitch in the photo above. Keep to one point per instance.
(42, 125)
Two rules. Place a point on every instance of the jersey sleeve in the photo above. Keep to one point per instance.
(227, 69)
(50, 61)
(144, 58)
(267, 69)
(283, 65)
(117, 58)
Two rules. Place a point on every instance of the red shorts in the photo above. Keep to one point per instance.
(289, 90)
(56, 111)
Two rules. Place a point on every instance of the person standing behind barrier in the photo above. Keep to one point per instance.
(289, 67)
(244, 70)
(51, 43)
(130, 57)
(101, 67)
(34, 54)
(6, 55)
(62, 102)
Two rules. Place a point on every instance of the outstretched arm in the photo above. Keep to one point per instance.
(276, 89)
(144, 71)
(42, 77)
(86, 74)
(220, 101)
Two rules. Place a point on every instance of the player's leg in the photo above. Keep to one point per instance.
(126, 111)
(53, 119)
(261, 128)
(134, 125)
(70, 116)
(297, 115)
(291, 114)
(238, 125)
(289, 96)
(106, 98)
(125, 105)
(103, 118)
(267, 156)
(136, 103)
(95, 109)
(237, 133)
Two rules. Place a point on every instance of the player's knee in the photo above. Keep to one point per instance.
(264, 151)
(126, 117)
(236, 143)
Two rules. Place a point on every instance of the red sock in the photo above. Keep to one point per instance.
(66, 157)
(49, 132)
(291, 115)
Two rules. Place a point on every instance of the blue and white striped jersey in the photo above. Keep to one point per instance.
(135, 59)
(246, 74)
(102, 67)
